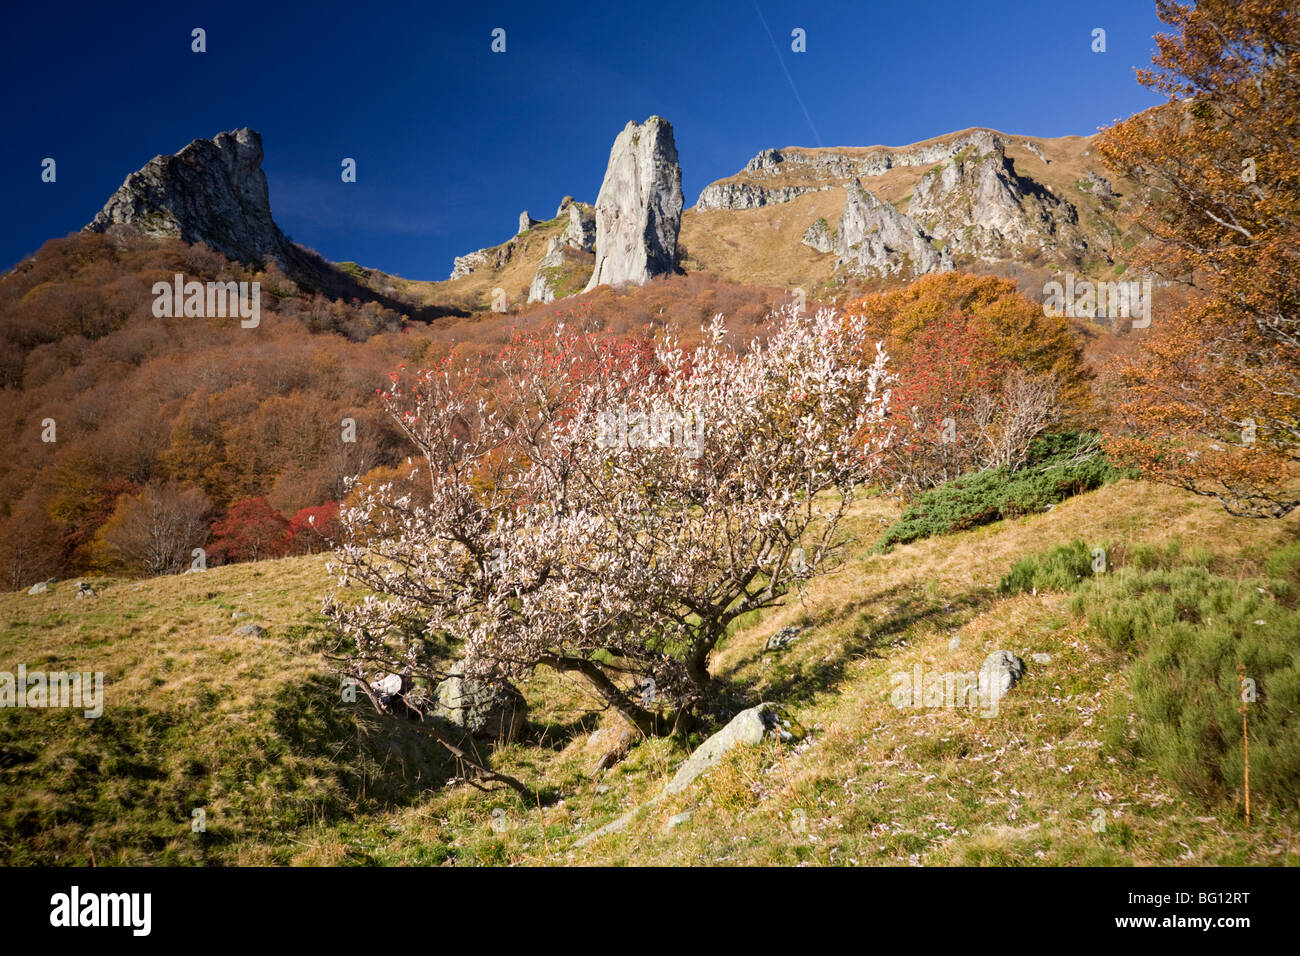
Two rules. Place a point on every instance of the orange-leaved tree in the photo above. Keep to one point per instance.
(1211, 403)
(982, 370)
(1024, 335)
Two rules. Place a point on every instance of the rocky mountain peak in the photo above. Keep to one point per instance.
(974, 196)
(213, 191)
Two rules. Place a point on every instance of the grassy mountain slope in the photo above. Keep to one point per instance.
(253, 731)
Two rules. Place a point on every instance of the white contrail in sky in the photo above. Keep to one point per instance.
(777, 50)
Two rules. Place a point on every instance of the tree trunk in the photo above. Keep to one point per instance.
(646, 721)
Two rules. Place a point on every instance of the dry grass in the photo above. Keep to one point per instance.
(873, 784)
(763, 246)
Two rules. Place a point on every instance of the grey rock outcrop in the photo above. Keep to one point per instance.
(1037, 150)
(213, 191)
(526, 222)
(875, 239)
(1099, 185)
(748, 728)
(494, 710)
(982, 208)
(743, 195)
(831, 166)
(543, 286)
(819, 236)
(968, 201)
(782, 638)
(464, 265)
(639, 209)
(493, 257)
(566, 265)
(41, 587)
(580, 233)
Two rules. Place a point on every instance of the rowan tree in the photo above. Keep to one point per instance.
(315, 528)
(251, 530)
(959, 406)
(1022, 335)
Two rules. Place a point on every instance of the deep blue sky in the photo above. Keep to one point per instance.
(452, 141)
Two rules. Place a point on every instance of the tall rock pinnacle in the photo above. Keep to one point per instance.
(639, 209)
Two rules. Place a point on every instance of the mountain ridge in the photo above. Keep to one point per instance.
(795, 216)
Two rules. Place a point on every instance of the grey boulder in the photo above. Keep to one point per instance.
(489, 709)
(1000, 672)
(782, 638)
(748, 728)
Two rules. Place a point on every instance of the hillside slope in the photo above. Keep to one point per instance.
(252, 731)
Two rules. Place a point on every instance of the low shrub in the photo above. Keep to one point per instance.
(1186, 630)
(1058, 467)
(1060, 569)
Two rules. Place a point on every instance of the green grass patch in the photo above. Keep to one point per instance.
(1060, 569)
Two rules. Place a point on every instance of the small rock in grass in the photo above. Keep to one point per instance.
(1000, 672)
(782, 638)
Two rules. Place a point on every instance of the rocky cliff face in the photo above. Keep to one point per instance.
(749, 195)
(982, 208)
(580, 233)
(956, 200)
(831, 167)
(566, 265)
(212, 191)
(875, 239)
(976, 196)
(638, 211)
